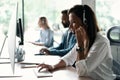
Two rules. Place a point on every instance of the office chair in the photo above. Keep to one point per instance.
(113, 35)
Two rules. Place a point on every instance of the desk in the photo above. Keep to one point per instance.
(68, 73)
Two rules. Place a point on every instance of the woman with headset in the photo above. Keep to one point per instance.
(92, 51)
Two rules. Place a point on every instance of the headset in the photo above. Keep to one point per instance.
(84, 18)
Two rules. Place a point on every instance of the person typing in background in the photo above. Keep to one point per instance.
(68, 39)
(46, 37)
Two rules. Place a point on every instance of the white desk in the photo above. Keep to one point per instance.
(68, 73)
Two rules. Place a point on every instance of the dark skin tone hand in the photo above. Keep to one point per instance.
(48, 67)
(45, 51)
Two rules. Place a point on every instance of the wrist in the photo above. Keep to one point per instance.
(80, 49)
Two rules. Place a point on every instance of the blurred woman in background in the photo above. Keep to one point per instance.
(46, 34)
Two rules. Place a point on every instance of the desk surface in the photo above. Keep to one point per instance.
(68, 73)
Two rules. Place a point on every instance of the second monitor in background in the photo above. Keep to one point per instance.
(19, 31)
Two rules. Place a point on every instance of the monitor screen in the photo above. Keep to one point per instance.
(19, 31)
(12, 37)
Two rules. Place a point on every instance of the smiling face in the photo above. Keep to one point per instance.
(75, 22)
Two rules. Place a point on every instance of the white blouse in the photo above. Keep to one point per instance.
(98, 63)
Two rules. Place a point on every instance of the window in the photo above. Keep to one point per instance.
(107, 12)
(49, 8)
(33, 9)
(6, 7)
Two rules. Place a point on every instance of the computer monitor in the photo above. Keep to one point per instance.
(12, 37)
(16, 53)
(20, 43)
(19, 31)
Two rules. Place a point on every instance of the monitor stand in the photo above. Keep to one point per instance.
(4, 60)
(20, 53)
(3, 45)
(6, 71)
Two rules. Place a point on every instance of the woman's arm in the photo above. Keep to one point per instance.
(37, 43)
(82, 43)
(66, 60)
(60, 64)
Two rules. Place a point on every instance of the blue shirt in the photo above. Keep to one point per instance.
(67, 43)
(46, 37)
